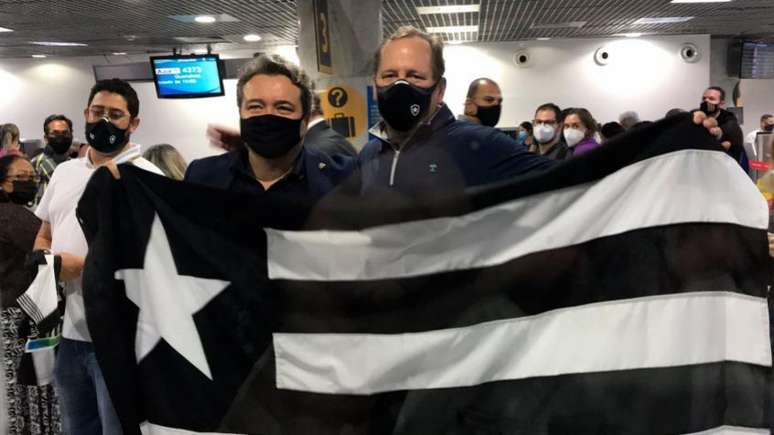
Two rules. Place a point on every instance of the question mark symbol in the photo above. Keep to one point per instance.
(337, 97)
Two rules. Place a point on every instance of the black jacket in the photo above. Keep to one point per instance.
(321, 137)
(313, 175)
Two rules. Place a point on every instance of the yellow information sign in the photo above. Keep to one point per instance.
(345, 110)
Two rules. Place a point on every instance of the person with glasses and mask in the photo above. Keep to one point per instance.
(58, 137)
(547, 133)
(31, 409)
(111, 117)
(275, 104)
(483, 103)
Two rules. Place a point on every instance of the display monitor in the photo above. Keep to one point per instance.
(187, 76)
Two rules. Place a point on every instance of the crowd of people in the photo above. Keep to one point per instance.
(283, 147)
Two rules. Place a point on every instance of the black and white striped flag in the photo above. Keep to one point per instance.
(623, 292)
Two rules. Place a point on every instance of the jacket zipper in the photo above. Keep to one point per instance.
(394, 166)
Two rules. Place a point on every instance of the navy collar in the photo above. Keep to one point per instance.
(441, 119)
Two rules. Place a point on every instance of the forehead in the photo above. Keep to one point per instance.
(110, 100)
(545, 114)
(58, 124)
(271, 88)
(711, 92)
(572, 119)
(407, 53)
(487, 88)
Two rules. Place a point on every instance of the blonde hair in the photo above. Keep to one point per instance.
(168, 159)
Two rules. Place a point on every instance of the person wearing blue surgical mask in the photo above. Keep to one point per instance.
(524, 134)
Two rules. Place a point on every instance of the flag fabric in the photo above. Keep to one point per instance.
(623, 292)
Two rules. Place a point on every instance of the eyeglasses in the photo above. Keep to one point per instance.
(101, 112)
(24, 177)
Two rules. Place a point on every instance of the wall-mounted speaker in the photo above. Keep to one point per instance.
(522, 59)
(602, 56)
(690, 52)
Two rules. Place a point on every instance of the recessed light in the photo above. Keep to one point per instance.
(543, 39)
(252, 37)
(451, 9)
(204, 19)
(5, 29)
(200, 51)
(662, 20)
(452, 29)
(455, 42)
(565, 25)
(39, 56)
(119, 53)
(58, 44)
(700, 1)
(630, 35)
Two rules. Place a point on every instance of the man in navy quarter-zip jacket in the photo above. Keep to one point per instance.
(419, 147)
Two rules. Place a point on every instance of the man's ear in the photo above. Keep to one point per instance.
(133, 124)
(470, 107)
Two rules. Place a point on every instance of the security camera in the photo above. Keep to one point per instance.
(522, 59)
(602, 56)
(690, 52)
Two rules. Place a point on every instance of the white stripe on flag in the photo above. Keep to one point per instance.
(681, 187)
(651, 332)
(732, 430)
(148, 428)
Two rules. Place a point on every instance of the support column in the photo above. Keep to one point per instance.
(354, 32)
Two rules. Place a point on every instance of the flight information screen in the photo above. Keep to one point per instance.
(196, 76)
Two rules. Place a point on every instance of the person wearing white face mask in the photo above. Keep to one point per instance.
(580, 130)
(547, 129)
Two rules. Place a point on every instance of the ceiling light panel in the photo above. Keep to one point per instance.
(450, 9)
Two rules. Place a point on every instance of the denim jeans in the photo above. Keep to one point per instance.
(83, 396)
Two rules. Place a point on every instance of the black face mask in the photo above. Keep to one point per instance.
(105, 137)
(270, 136)
(769, 128)
(60, 143)
(708, 109)
(23, 192)
(489, 116)
(403, 105)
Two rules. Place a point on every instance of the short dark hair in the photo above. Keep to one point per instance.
(274, 65)
(719, 89)
(675, 111)
(475, 84)
(436, 49)
(611, 129)
(586, 118)
(766, 116)
(52, 118)
(552, 107)
(120, 87)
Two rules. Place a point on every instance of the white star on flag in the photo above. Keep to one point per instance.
(168, 301)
